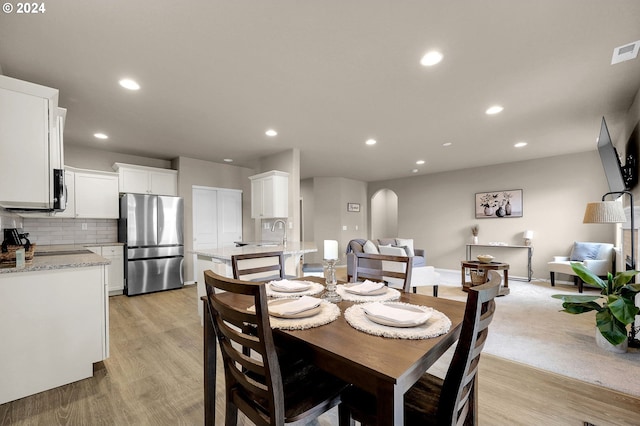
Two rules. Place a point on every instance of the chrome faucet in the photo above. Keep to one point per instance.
(284, 228)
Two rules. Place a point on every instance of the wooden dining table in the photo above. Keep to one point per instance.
(385, 367)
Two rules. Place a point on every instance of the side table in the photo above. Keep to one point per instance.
(484, 267)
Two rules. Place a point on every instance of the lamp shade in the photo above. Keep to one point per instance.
(528, 235)
(604, 212)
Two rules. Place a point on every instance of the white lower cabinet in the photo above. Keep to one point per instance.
(114, 272)
(55, 326)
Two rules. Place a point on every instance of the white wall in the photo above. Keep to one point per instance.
(437, 210)
(205, 173)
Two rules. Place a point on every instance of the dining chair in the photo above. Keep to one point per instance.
(382, 267)
(432, 400)
(272, 386)
(256, 265)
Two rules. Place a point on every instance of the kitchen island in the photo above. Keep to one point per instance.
(219, 260)
(54, 321)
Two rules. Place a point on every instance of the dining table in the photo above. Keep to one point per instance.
(385, 367)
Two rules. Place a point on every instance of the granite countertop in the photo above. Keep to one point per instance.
(292, 248)
(60, 256)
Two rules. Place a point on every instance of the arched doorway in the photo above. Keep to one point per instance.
(384, 214)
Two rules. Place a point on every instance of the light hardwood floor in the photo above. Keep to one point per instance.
(154, 377)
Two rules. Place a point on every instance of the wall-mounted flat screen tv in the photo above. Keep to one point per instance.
(610, 160)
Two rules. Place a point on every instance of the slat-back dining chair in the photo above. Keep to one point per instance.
(248, 266)
(434, 401)
(267, 391)
(378, 267)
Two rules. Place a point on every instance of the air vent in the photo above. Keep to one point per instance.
(626, 52)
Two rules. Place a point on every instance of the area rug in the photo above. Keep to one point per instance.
(529, 328)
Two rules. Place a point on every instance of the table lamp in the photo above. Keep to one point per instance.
(528, 236)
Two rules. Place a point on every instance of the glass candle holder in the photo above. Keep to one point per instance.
(330, 280)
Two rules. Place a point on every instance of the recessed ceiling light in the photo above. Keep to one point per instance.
(496, 109)
(271, 133)
(431, 58)
(371, 142)
(228, 160)
(129, 84)
(414, 171)
(100, 136)
(420, 162)
(520, 144)
(447, 144)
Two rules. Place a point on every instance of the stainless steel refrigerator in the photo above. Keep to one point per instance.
(150, 226)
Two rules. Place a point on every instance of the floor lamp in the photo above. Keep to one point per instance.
(613, 212)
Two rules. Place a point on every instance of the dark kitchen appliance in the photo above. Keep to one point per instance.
(15, 237)
(151, 226)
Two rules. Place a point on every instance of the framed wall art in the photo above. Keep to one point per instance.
(499, 204)
(353, 207)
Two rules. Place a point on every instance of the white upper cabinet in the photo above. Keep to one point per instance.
(91, 194)
(147, 180)
(270, 194)
(30, 144)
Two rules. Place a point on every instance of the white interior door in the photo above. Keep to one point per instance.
(205, 218)
(229, 217)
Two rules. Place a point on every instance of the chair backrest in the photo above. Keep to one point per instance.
(258, 266)
(393, 266)
(400, 268)
(253, 383)
(457, 399)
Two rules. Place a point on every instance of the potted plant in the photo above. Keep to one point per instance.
(617, 310)
(474, 231)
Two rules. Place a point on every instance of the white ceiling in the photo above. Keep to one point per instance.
(330, 74)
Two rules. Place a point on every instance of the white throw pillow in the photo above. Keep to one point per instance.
(370, 248)
(408, 243)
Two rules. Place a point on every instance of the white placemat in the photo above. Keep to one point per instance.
(437, 325)
(391, 294)
(313, 290)
(330, 312)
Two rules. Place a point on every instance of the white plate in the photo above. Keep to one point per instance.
(377, 292)
(385, 321)
(304, 314)
(274, 287)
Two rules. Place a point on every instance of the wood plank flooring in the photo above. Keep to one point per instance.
(154, 377)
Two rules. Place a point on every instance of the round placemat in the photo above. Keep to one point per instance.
(315, 288)
(437, 325)
(391, 294)
(330, 312)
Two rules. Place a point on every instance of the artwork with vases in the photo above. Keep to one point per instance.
(499, 204)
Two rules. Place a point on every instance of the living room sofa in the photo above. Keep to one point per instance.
(369, 246)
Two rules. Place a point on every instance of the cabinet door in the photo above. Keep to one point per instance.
(163, 183)
(70, 188)
(256, 199)
(96, 196)
(134, 181)
(24, 159)
(115, 273)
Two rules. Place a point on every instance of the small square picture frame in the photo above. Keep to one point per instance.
(353, 207)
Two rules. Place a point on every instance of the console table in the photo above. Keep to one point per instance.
(529, 250)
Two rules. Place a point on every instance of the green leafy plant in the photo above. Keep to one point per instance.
(617, 310)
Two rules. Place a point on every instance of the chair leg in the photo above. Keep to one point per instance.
(344, 416)
(580, 285)
(553, 278)
(435, 290)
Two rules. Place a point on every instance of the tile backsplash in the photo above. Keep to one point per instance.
(71, 231)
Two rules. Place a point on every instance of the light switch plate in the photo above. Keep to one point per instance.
(344, 227)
